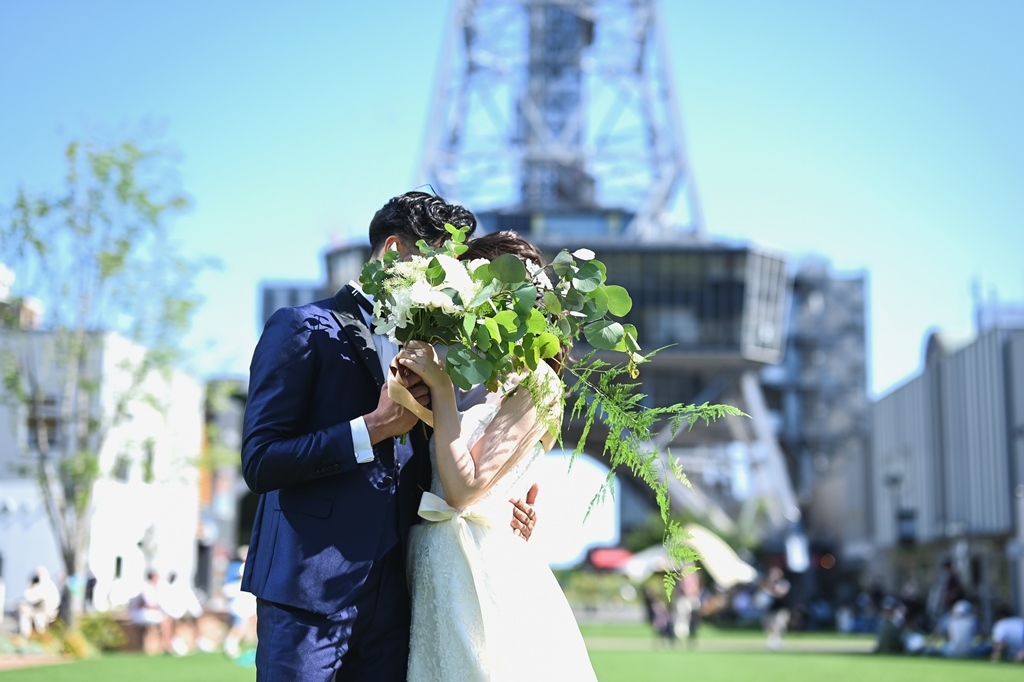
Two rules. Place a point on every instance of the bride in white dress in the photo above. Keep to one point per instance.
(485, 606)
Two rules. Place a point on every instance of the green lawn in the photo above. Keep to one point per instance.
(664, 665)
(136, 668)
(619, 652)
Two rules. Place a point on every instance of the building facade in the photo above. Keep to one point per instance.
(947, 469)
(818, 399)
(144, 506)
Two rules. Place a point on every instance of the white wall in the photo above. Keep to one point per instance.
(564, 531)
(171, 418)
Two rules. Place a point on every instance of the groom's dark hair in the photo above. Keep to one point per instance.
(417, 215)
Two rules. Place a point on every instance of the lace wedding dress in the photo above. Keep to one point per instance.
(485, 606)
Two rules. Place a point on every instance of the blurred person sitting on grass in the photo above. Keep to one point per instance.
(960, 633)
(1007, 636)
(890, 628)
(39, 604)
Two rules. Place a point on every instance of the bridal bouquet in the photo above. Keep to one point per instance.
(500, 317)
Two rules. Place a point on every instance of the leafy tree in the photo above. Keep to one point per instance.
(98, 256)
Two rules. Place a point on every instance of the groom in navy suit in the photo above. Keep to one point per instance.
(339, 489)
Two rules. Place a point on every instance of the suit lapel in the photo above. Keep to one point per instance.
(350, 318)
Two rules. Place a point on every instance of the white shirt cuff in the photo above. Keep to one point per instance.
(361, 441)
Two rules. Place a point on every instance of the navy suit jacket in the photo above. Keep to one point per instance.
(322, 518)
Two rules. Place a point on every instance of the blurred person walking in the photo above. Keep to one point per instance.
(146, 610)
(776, 616)
(688, 605)
(181, 605)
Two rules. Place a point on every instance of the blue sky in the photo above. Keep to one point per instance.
(884, 135)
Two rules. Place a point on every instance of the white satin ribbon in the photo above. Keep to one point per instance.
(433, 508)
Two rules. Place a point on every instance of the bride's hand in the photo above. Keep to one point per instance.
(421, 358)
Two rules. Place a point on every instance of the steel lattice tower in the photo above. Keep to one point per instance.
(558, 119)
(561, 106)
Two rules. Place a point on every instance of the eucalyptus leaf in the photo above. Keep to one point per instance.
(435, 272)
(619, 300)
(547, 345)
(531, 353)
(551, 302)
(467, 368)
(507, 319)
(483, 337)
(487, 292)
(536, 322)
(469, 323)
(588, 278)
(573, 300)
(525, 297)
(483, 273)
(604, 334)
(508, 269)
(563, 265)
(491, 325)
(598, 301)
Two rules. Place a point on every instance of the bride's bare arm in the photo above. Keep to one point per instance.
(467, 473)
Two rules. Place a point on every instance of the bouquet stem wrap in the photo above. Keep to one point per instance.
(401, 395)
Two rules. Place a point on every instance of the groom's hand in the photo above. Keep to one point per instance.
(391, 419)
(524, 516)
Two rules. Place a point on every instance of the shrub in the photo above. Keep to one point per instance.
(102, 631)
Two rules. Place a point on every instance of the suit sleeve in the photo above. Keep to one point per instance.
(276, 453)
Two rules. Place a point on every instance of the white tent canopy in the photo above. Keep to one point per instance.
(722, 564)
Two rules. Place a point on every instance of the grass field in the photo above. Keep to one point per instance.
(620, 653)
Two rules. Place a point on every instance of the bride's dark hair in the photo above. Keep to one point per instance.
(495, 244)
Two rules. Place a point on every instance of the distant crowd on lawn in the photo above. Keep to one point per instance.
(163, 604)
(942, 621)
(946, 624)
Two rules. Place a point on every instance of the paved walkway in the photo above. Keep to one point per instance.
(13, 661)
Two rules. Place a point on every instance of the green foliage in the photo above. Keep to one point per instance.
(604, 392)
(102, 631)
(68, 641)
(504, 317)
(99, 256)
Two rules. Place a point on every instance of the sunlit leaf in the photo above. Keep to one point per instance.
(619, 300)
(525, 297)
(588, 278)
(469, 323)
(487, 292)
(604, 334)
(492, 328)
(551, 302)
(508, 269)
(547, 345)
(507, 319)
(536, 322)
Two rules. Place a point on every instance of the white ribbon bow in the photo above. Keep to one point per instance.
(433, 508)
